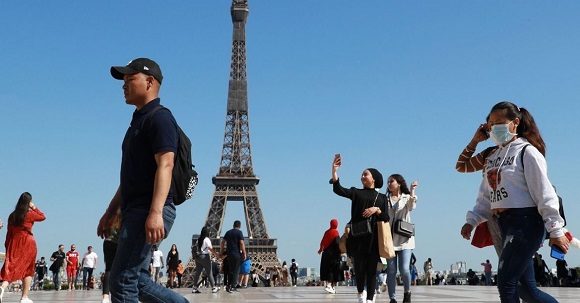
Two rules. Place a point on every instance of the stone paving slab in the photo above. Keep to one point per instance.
(435, 294)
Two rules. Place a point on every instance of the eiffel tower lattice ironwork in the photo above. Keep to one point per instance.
(236, 180)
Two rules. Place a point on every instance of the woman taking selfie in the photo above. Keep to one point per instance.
(517, 191)
(366, 203)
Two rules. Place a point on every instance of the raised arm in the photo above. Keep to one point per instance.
(466, 163)
(336, 187)
(35, 214)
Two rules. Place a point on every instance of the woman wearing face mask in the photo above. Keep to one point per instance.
(365, 203)
(467, 163)
(401, 201)
(516, 190)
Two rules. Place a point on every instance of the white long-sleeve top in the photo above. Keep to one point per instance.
(506, 184)
(401, 210)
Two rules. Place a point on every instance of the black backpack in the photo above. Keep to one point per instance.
(184, 177)
(293, 268)
(561, 206)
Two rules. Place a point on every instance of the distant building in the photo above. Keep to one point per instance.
(459, 268)
(309, 273)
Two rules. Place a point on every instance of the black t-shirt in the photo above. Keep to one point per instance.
(233, 238)
(59, 257)
(149, 133)
(41, 267)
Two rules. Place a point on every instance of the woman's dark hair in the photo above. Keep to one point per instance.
(22, 206)
(202, 235)
(177, 251)
(402, 183)
(527, 127)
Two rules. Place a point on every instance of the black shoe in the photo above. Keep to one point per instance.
(407, 297)
(228, 290)
(393, 301)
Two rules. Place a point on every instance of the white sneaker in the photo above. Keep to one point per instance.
(25, 300)
(332, 290)
(1, 294)
(328, 289)
(361, 297)
(105, 301)
(215, 289)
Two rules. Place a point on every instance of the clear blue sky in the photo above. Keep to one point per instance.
(400, 86)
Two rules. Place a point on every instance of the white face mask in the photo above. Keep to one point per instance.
(500, 133)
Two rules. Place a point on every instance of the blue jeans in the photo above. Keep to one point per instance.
(404, 259)
(129, 278)
(87, 271)
(523, 232)
(56, 279)
(488, 278)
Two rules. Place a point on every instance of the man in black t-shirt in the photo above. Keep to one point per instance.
(145, 194)
(57, 259)
(236, 252)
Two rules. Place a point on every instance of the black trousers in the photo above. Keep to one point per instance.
(365, 268)
(233, 269)
(109, 250)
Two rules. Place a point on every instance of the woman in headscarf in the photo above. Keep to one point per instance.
(330, 262)
(366, 204)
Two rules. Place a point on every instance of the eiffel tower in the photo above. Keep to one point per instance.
(236, 180)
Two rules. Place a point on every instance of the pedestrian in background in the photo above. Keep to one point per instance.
(58, 257)
(330, 272)
(20, 260)
(203, 261)
(89, 264)
(72, 267)
(487, 271)
(235, 251)
(428, 268)
(294, 272)
(172, 262)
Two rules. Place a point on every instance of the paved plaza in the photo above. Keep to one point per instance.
(438, 294)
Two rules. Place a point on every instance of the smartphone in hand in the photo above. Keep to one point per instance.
(557, 253)
(337, 160)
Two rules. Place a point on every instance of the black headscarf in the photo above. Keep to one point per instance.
(377, 176)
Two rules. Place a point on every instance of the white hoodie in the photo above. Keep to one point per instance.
(506, 184)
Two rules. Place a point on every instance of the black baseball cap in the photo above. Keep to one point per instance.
(139, 65)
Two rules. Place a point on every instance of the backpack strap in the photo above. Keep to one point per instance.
(149, 115)
(522, 154)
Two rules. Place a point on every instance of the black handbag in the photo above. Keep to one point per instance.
(404, 228)
(362, 228)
